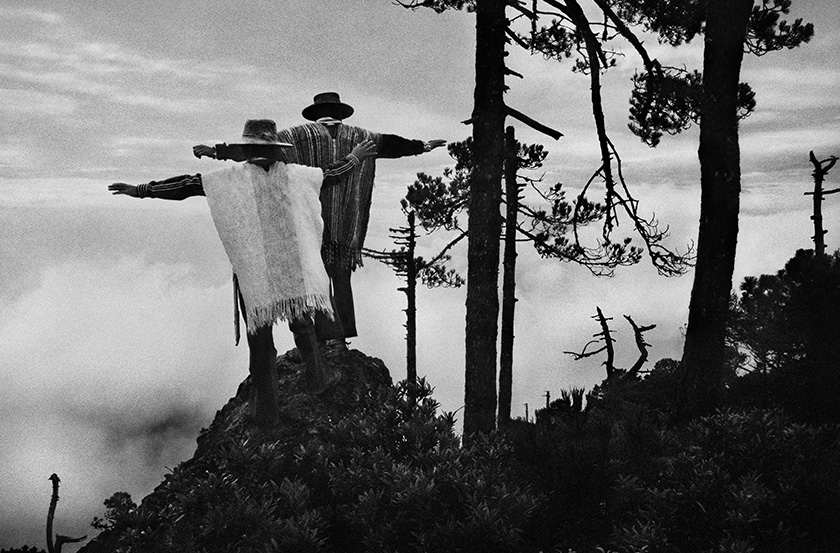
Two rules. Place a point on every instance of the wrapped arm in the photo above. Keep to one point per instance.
(334, 172)
(175, 188)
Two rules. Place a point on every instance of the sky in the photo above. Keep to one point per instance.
(116, 340)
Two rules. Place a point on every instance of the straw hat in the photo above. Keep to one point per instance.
(259, 131)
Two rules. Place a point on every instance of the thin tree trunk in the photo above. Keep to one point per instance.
(411, 303)
(51, 512)
(508, 278)
(819, 232)
(821, 169)
(703, 359)
(484, 219)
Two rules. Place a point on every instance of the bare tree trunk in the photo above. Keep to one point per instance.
(819, 232)
(51, 513)
(609, 364)
(411, 303)
(484, 219)
(821, 168)
(508, 278)
(701, 388)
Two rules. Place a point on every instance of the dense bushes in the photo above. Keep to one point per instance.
(621, 475)
(393, 477)
(376, 468)
(751, 481)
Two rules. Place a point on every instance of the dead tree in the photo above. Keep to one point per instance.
(410, 268)
(821, 169)
(615, 374)
(55, 547)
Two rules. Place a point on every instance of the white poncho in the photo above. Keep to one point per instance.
(270, 225)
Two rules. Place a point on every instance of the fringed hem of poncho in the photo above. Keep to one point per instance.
(287, 310)
(341, 256)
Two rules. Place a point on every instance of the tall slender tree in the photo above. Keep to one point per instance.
(488, 119)
(668, 102)
(410, 267)
(512, 197)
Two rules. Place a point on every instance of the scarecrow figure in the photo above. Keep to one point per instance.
(268, 216)
(345, 208)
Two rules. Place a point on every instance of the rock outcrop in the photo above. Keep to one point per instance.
(231, 439)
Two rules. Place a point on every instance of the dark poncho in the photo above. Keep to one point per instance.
(345, 207)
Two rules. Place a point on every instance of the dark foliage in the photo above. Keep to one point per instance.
(552, 224)
(738, 481)
(24, 549)
(668, 102)
(618, 474)
(679, 21)
(380, 470)
(788, 326)
(377, 470)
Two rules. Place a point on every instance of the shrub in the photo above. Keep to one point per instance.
(742, 481)
(392, 476)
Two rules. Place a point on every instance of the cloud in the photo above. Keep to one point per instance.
(43, 228)
(774, 93)
(32, 102)
(109, 372)
(39, 16)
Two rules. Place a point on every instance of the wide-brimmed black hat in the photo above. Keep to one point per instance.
(327, 104)
(259, 131)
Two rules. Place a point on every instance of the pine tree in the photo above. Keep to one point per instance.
(669, 101)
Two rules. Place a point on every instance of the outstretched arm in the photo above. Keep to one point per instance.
(175, 188)
(393, 146)
(219, 151)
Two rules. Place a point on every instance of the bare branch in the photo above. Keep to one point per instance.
(517, 5)
(560, 7)
(651, 65)
(446, 248)
(638, 332)
(536, 125)
(583, 353)
(514, 37)
(608, 343)
(667, 263)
